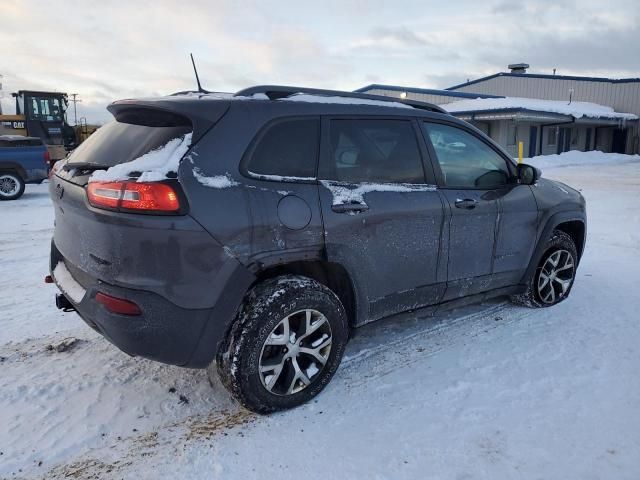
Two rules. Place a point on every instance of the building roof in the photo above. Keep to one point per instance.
(574, 109)
(427, 91)
(546, 76)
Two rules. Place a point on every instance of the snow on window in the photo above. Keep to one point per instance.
(153, 166)
(348, 193)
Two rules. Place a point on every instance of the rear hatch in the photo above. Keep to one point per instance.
(123, 246)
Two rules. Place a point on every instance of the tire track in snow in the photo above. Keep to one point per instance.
(439, 333)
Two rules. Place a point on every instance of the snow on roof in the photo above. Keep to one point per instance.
(303, 97)
(576, 109)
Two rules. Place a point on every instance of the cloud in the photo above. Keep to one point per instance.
(110, 49)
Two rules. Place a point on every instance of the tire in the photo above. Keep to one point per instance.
(11, 186)
(551, 285)
(267, 368)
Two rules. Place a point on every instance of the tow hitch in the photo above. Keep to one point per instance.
(63, 303)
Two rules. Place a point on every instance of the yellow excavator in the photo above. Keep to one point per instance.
(42, 115)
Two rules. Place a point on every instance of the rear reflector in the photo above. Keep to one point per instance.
(145, 196)
(48, 279)
(117, 305)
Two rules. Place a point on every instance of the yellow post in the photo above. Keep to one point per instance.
(520, 151)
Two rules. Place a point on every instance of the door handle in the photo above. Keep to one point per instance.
(467, 203)
(352, 207)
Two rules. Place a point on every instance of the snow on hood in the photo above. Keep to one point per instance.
(346, 193)
(154, 165)
(576, 109)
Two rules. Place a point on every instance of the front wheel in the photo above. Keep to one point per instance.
(285, 345)
(11, 186)
(552, 281)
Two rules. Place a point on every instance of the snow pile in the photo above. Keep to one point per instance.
(576, 109)
(576, 158)
(511, 392)
(218, 181)
(154, 165)
(342, 100)
(346, 193)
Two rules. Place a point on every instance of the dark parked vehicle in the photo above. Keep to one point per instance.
(256, 230)
(22, 160)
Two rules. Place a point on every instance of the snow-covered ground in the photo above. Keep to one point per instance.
(490, 391)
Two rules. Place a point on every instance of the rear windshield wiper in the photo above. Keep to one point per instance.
(84, 166)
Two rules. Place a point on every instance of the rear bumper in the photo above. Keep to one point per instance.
(36, 175)
(164, 331)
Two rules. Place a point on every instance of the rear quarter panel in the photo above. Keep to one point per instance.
(246, 216)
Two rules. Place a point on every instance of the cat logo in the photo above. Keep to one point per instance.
(17, 124)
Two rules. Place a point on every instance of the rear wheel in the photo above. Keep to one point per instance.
(552, 281)
(286, 344)
(11, 186)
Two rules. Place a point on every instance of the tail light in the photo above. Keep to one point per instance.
(54, 168)
(147, 197)
(117, 305)
(47, 157)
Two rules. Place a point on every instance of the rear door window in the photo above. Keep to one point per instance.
(287, 148)
(374, 151)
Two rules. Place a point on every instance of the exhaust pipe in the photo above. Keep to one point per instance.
(64, 304)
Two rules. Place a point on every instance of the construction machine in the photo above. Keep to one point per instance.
(42, 115)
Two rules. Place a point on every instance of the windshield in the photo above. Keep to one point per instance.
(45, 109)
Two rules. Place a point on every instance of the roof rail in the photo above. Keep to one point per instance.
(275, 92)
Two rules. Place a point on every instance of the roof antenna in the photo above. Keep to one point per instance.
(195, 70)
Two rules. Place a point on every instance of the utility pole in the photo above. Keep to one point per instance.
(75, 112)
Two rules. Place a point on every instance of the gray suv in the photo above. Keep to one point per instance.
(251, 232)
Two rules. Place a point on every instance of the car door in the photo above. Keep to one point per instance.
(383, 218)
(470, 176)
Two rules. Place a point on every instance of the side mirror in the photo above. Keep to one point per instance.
(527, 174)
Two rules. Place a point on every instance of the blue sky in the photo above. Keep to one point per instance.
(105, 50)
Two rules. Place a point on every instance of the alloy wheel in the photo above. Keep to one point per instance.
(9, 185)
(556, 276)
(295, 352)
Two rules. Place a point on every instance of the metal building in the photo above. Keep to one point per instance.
(574, 115)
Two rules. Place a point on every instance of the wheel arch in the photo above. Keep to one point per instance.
(332, 275)
(572, 223)
(576, 230)
(14, 167)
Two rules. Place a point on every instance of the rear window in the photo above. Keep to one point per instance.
(118, 142)
(287, 148)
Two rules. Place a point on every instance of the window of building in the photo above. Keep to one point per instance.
(552, 136)
(288, 149)
(574, 136)
(465, 160)
(512, 134)
(379, 151)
